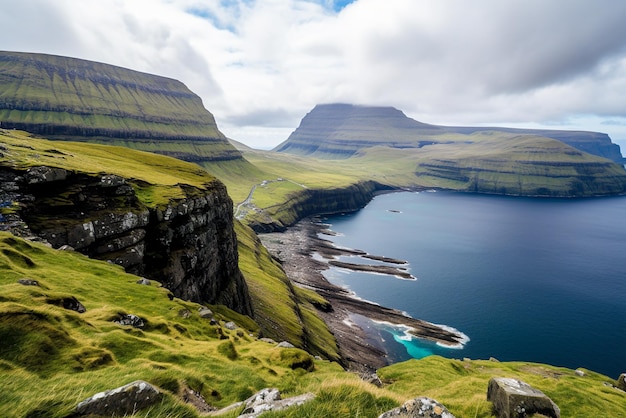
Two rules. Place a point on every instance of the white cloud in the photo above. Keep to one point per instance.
(260, 65)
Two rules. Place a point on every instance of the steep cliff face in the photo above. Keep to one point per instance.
(189, 245)
(157, 217)
(73, 99)
(309, 202)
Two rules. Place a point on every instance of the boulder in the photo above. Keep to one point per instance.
(205, 312)
(122, 401)
(132, 320)
(420, 407)
(143, 281)
(285, 344)
(43, 174)
(513, 398)
(270, 400)
(28, 282)
(230, 325)
(621, 382)
(73, 304)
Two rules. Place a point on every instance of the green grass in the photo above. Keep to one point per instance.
(462, 385)
(69, 356)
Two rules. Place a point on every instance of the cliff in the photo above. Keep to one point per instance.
(315, 201)
(137, 214)
(72, 99)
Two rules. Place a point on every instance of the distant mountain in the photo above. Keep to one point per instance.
(519, 162)
(72, 99)
(340, 130)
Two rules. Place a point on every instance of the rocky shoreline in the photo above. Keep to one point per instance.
(296, 248)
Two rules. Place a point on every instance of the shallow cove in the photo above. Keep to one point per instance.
(541, 280)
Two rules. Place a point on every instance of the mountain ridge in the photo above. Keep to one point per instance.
(73, 99)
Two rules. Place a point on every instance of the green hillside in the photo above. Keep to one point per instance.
(66, 98)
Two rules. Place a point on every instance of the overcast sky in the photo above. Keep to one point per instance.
(261, 65)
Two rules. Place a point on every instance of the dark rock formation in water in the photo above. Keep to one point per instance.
(72, 99)
(188, 245)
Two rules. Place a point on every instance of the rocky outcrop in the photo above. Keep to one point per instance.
(265, 400)
(307, 202)
(513, 398)
(122, 401)
(421, 407)
(621, 382)
(72, 99)
(189, 245)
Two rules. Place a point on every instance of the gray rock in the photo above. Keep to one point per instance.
(418, 408)
(205, 312)
(132, 320)
(143, 281)
(270, 400)
(373, 379)
(28, 282)
(513, 398)
(621, 382)
(43, 174)
(285, 344)
(230, 325)
(73, 304)
(268, 340)
(121, 401)
(579, 373)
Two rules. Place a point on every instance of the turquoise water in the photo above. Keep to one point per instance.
(540, 280)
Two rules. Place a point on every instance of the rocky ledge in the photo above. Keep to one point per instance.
(189, 245)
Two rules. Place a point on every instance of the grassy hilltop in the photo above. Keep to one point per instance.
(66, 98)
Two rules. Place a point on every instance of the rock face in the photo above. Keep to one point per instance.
(309, 202)
(418, 408)
(516, 399)
(73, 99)
(189, 245)
(123, 401)
(621, 381)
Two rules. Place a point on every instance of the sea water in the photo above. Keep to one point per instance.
(539, 280)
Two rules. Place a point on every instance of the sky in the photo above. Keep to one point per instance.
(261, 65)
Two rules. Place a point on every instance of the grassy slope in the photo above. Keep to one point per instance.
(155, 178)
(69, 356)
(53, 90)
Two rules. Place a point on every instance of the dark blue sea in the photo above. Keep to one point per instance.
(539, 280)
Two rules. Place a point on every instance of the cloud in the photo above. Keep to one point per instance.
(260, 66)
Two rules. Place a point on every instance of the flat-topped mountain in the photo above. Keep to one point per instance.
(520, 162)
(340, 130)
(72, 99)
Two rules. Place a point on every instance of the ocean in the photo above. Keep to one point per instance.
(537, 280)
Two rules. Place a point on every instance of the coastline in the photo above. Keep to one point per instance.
(296, 248)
